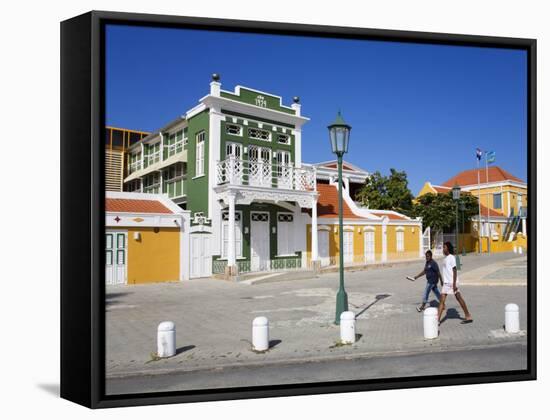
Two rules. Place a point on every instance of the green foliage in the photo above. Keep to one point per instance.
(438, 211)
(391, 192)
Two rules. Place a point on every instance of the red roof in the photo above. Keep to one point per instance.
(327, 204)
(440, 189)
(335, 165)
(390, 216)
(124, 205)
(492, 213)
(469, 177)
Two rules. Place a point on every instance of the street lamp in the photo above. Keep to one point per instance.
(339, 140)
(462, 208)
(456, 198)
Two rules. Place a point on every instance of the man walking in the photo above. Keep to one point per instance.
(431, 271)
(450, 284)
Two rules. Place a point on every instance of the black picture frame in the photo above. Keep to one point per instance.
(82, 208)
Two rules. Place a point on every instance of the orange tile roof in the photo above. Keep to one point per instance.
(440, 189)
(469, 177)
(390, 216)
(124, 205)
(492, 213)
(327, 204)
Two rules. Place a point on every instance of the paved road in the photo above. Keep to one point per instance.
(507, 357)
(213, 319)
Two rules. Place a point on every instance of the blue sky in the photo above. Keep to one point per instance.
(419, 108)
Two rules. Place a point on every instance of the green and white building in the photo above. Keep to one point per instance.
(235, 162)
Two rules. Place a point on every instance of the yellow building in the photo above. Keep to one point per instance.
(369, 235)
(502, 218)
(146, 239)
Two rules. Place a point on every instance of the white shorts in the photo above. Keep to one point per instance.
(447, 289)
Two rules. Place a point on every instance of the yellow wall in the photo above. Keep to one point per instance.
(155, 257)
(487, 197)
(411, 243)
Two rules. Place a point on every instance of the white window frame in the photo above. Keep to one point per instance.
(285, 236)
(238, 235)
(348, 244)
(289, 139)
(400, 239)
(250, 129)
(240, 127)
(200, 139)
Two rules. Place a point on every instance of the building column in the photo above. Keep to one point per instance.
(524, 226)
(385, 239)
(420, 239)
(231, 260)
(314, 236)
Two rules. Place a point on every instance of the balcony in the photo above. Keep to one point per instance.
(234, 171)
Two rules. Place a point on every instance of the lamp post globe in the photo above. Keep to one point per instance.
(339, 132)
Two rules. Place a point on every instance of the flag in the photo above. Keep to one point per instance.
(490, 156)
(479, 153)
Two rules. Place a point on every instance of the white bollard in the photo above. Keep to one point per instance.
(260, 334)
(430, 323)
(515, 249)
(166, 339)
(347, 327)
(511, 318)
(520, 250)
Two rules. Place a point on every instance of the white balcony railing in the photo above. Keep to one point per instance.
(235, 171)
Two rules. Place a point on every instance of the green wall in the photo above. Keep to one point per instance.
(197, 188)
(249, 96)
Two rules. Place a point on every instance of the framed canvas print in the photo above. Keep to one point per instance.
(254, 209)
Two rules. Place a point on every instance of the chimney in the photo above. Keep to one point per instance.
(296, 105)
(215, 85)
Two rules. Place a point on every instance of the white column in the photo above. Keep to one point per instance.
(385, 239)
(420, 239)
(524, 226)
(231, 262)
(314, 235)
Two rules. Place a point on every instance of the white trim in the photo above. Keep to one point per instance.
(245, 108)
(471, 187)
(400, 229)
(369, 229)
(324, 228)
(348, 228)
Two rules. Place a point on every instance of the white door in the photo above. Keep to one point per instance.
(348, 247)
(115, 257)
(369, 246)
(234, 169)
(259, 242)
(259, 172)
(284, 169)
(324, 251)
(201, 257)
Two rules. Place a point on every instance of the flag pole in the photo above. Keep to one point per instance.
(488, 223)
(479, 207)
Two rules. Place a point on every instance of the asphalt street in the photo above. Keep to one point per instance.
(486, 359)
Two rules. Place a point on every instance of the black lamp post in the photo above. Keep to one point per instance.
(339, 139)
(456, 198)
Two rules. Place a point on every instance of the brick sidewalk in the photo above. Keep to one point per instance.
(213, 319)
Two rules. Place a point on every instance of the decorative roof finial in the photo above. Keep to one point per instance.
(296, 99)
(215, 77)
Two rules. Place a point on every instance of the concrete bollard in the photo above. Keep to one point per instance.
(347, 327)
(515, 249)
(430, 323)
(511, 318)
(166, 339)
(260, 334)
(520, 250)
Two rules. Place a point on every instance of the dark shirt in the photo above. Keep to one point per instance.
(432, 271)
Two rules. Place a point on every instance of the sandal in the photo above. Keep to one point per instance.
(467, 321)
(420, 308)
